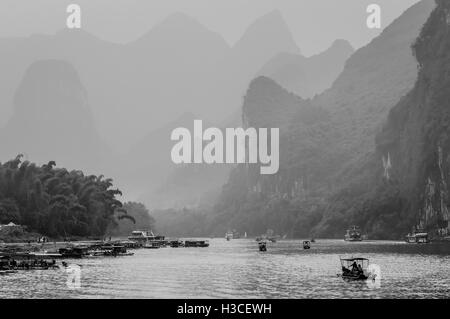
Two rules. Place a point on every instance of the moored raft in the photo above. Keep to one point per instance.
(196, 243)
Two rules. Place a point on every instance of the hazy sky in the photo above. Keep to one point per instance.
(314, 23)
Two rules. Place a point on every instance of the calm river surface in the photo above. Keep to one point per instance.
(236, 269)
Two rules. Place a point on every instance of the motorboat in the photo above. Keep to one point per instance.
(353, 234)
(417, 238)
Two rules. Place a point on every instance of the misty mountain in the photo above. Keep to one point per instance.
(158, 182)
(189, 186)
(308, 76)
(148, 163)
(136, 90)
(324, 152)
(52, 119)
(133, 87)
(178, 66)
(265, 38)
(74, 46)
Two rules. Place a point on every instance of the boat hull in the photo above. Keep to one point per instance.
(354, 277)
(353, 239)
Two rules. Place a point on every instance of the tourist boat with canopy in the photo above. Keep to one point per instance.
(355, 268)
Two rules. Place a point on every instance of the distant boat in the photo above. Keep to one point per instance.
(116, 250)
(262, 246)
(417, 238)
(306, 244)
(269, 235)
(143, 237)
(229, 235)
(196, 243)
(232, 234)
(353, 234)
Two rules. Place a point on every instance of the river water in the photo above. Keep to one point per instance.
(236, 269)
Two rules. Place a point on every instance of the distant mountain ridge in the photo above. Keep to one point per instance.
(52, 119)
(324, 153)
(135, 91)
(307, 77)
(176, 67)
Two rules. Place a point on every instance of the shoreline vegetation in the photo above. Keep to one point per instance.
(59, 205)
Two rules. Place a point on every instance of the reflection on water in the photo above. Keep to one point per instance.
(236, 269)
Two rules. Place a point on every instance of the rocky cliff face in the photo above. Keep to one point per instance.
(326, 179)
(416, 136)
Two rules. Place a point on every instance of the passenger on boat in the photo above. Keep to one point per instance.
(345, 270)
(355, 267)
(360, 270)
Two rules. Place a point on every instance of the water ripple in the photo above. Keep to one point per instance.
(236, 269)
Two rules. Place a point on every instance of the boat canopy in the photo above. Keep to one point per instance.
(354, 259)
(348, 262)
(421, 235)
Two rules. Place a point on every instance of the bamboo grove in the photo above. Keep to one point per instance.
(55, 202)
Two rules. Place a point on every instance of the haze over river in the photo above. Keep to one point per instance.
(236, 269)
